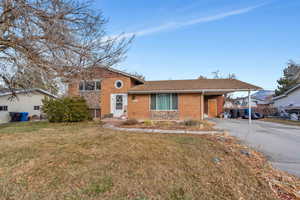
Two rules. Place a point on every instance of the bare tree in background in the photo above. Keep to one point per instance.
(51, 39)
(218, 75)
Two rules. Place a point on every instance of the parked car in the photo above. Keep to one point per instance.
(254, 115)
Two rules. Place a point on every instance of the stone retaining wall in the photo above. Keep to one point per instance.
(164, 115)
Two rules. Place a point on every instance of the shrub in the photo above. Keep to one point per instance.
(66, 109)
(191, 123)
(148, 122)
(130, 122)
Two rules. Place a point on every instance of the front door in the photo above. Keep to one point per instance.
(212, 108)
(118, 104)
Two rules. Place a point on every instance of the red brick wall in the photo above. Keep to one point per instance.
(107, 88)
(98, 73)
(189, 106)
(140, 107)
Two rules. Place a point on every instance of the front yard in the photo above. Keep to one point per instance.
(85, 161)
(282, 121)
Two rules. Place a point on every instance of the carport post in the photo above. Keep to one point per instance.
(249, 107)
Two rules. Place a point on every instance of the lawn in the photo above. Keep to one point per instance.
(84, 161)
(282, 121)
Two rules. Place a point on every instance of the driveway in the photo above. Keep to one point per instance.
(280, 143)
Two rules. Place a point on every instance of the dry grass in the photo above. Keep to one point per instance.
(84, 161)
(282, 121)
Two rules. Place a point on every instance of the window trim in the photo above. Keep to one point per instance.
(119, 81)
(171, 102)
(84, 85)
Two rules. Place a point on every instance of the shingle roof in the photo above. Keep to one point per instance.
(194, 85)
(287, 92)
(6, 92)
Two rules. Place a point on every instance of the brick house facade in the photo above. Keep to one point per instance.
(113, 93)
(99, 100)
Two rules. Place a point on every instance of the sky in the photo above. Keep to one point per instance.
(183, 39)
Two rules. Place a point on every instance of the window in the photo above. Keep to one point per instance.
(81, 86)
(118, 84)
(98, 85)
(89, 85)
(133, 97)
(119, 102)
(164, 102)
(36, 107)
(3, 108)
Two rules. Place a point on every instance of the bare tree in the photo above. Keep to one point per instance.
(218, 75)
(202, 77)
(53, 39)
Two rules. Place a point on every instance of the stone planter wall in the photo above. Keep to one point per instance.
(164, 115)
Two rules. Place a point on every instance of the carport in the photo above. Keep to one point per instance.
(212, 99)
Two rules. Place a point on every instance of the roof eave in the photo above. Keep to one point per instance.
(190, 91)
(28, 91)
(125, 74)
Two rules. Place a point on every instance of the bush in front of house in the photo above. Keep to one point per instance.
(130, 122)
(67, 109)
(191, 123)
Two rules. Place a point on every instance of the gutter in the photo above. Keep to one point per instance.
(189, 91)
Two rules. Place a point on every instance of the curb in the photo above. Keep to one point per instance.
(110, 126)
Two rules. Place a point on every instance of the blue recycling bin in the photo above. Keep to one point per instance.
(24, 116)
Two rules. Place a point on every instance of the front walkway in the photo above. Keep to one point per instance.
(280, 143)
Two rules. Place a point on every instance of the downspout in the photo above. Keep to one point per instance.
(202, 105)
(249, 107)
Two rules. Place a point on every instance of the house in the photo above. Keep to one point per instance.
(29, 100)
(111, 92)
(263, 97)
(105, 92)
(289, 101)
(259, 99)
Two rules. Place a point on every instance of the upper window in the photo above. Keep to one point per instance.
(89, 85)
(36, 107)
(164, 102)
(118, 84)
(3, 108)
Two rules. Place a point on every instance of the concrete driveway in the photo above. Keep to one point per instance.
(280, 143)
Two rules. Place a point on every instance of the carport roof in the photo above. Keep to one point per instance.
(193, 86)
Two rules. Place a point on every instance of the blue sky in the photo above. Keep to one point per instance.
(182, 39)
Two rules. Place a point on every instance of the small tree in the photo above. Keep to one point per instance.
(291, 77)
(66, 109)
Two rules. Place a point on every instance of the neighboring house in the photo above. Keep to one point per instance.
(29, 100)
(119, 94)
(243, 102)
(263, 97)
(290, 100)
(260, 99)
